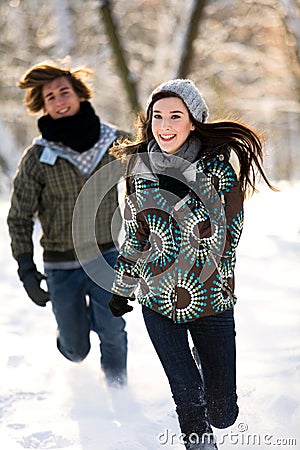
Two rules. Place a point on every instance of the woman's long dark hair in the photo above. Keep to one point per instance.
(244, 141)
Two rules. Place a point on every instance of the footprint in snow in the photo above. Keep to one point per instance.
(44, 440)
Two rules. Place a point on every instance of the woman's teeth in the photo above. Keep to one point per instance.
(167, 137)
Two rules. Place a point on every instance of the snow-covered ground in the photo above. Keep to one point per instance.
(47, 402)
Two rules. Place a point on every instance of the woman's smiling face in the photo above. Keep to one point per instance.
(171, 124)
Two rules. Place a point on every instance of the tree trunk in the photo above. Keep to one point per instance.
(190, 35)
(112, 32)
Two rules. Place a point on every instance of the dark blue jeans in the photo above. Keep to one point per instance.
(81, 306)
(206, 397)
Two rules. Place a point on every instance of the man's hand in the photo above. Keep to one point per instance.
(34, 291)
(31, 279)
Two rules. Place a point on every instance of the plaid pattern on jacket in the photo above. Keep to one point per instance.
(49, 192)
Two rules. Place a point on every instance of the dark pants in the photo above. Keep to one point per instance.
(206, 397)
(81, 306)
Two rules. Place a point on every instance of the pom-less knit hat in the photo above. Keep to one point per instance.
(188, 93)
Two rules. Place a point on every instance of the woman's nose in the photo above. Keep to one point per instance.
(165, 124)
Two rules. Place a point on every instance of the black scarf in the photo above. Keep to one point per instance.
(79, 132)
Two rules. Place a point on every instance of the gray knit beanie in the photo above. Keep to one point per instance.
(188, 93)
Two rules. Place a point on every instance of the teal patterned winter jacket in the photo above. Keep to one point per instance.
(179, 254)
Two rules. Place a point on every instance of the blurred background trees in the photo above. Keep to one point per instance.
(244, 55)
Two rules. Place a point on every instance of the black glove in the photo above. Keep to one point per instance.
(31, 279)
(119, 305)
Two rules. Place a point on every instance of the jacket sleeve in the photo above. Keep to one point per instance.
(133, 250)
(24, 204)
(227, 186)
(219, 191)
(229, 190)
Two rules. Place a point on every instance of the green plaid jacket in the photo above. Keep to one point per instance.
(49, 192)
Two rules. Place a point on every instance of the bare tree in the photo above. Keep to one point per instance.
(291, 10)
(112, 32)
(189, 37)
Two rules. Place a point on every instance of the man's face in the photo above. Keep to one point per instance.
(60, 99)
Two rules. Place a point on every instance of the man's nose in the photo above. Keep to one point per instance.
(59, 99)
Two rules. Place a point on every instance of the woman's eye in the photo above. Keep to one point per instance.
(156, 116)
(175, 116)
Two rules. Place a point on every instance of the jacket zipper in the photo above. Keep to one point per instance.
(174, 306)
(171, 216)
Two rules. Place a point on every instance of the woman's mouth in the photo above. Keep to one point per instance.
(167, 137)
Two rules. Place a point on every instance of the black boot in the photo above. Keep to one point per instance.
(196, 428)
